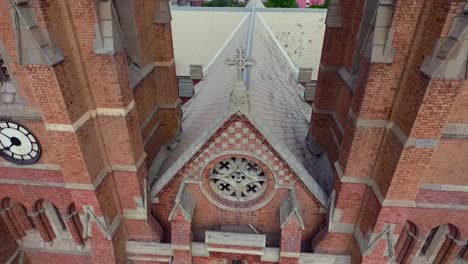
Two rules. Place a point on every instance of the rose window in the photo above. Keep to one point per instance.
(238, 179)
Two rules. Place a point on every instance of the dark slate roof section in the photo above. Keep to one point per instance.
(207, 109)
(276, 99)
(277, 109)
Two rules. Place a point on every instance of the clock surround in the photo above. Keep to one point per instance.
(18, 144)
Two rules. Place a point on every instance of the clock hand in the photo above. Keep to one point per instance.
(5, 135)
(8, 148)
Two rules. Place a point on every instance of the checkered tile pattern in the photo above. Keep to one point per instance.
(238, 137)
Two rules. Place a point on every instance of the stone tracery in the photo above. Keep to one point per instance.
(238, 179)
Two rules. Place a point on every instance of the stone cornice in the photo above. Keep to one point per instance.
(88, 115)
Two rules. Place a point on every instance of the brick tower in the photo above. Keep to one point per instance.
(94, 82)
(100, 163)
(391, 112)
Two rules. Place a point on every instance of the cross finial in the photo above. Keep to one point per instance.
(240, 61)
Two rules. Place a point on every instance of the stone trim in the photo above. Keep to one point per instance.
(138, 75)
(80, 186)
(349, 179)
(235, 251)
(161, 250)
(334, 216)
(291, 208)
(149, 248)
(33, 43)
(180, 247)
(442, 206)
(444, 187)
(13, 257)
(22, 112)
(107, 230)
(329, 112)
(91, 114)
(335, 139)
(130, 168)
(84, 186)
(449, 57)
(84, 251)
(155, 110)
(223, 206)
(115, 111)
(108, 33)
(165, 63)
(381, 41)
(141, 211)
(153, 130)
(455, 130)
(289, 254)
(235, 239)
(374, 187)
(185, 201)
(366, 247)
(396, 131)
(157, 259)
(52, 167)
(33, 183)
(271, 255)
(345, 228)
(348, 78)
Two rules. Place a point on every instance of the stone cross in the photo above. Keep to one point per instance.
(240, 62)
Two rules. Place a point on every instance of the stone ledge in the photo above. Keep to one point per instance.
(235, 239)
(153, 250)
(444, 187)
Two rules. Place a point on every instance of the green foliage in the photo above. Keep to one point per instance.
(281, 3)
(223, 3)
(325, 5)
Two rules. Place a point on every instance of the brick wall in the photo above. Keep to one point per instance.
(8, 245)
(265, 219)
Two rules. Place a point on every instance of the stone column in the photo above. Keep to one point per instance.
(14, 219)
(41, 226)
(22, 217)
(9, 223)
(75, 228)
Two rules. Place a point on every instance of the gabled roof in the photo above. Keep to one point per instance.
(300, 32)
(291, 208)
(185, 202)
(276, 108)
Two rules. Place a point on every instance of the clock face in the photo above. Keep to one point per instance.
(18, 144)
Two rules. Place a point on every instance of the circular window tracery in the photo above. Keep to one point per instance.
(238, 179)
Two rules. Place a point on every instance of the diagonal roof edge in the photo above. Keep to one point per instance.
(277, 43)
(291, 160)
(228, 40)
(282, 150)
(164, 179)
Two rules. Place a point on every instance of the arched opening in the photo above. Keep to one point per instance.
(41, 221)
(74, 224)
(464, 252)
(408, 241)
(439, 244)
(15, 217)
